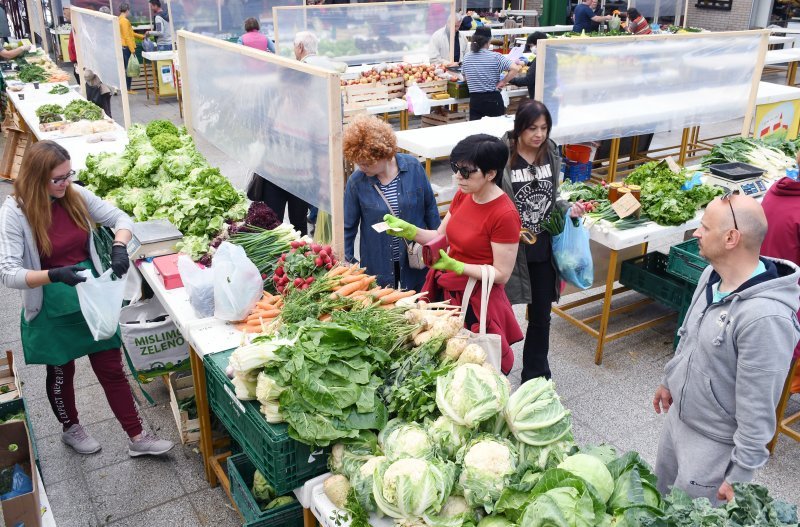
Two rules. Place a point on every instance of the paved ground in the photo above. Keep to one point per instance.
(610, 404)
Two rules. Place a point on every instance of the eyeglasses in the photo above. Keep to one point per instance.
(464, 171)
(62, 179)
(727, 197)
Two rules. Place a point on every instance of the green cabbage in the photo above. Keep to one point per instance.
(535, 415)
(263, 492)
(591, 470)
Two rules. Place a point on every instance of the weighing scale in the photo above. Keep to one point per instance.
(745, 178)
(153, 238)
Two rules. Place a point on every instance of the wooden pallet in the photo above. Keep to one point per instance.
(365, 95)
(396, 87)
(440, 116)
(180, 388)
(437, 86)
(9, 389)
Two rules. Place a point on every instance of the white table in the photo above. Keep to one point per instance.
(155, 56)
(788, 56)
(770, 92)
(522, 12)
(505, 32)
(774, 40)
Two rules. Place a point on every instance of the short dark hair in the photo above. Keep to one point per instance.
(633, 13)
(124, 7)
(251, 23)
(480, 38)
(156, 3)
(533, 38)
(484, 151)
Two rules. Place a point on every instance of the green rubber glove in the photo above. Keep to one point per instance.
(445, 263)
(405, 229)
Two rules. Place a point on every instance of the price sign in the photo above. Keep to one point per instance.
(626, 205)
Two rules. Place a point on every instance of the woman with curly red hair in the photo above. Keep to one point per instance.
(384, 182)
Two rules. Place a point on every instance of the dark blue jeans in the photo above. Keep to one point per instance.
(126, 56)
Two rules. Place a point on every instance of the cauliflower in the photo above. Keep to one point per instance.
(488, 464)
(336, 488)
(473, 354)
(469, 394)
(490, 457)
(448, 436)
(368, 468)
(400, 439)
(454, 506)
(413, 469)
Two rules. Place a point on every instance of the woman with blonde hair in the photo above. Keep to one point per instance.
(47, 225)
(385, 182)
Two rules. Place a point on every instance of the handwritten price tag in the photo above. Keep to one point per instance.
(626, 205)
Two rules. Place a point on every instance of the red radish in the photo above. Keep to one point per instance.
(323, 253)
(298, 282)
(318, 261)
(279, 271)
(295, 244)
(276, 278)
(316, 247)
(328, 266)
(310, 279)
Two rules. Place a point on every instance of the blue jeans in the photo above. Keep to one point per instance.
(164, 47)
(126, 56)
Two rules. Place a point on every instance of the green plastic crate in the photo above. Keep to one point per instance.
(286, 463)
(648, 275)
(240, 473)
(457, 90)
(685, 261)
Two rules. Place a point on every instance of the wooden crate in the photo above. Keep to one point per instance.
(349, 115)
(180, 388)
(16, 143)
(440, 116)
(396, 87)
(9, 389)
(437, 86)
(365, 95)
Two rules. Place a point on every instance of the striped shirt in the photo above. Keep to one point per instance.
(482, 70)
(639, 26)
(390, 192)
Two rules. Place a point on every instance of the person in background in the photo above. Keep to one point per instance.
(382, 176)
(637, 24)
(73, 54)
(721, 388)
(253, 38)
(482, 227)
(439, 46)
(482, 70)
(162, 30)
(531, 180)
(47, 226)
(105, 10)
(529, 79)
(585, 18)
(5, 31)
(128, 40)
(782, 207)
(306, 44)
(11, 54)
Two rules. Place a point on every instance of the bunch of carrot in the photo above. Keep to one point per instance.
(266, 311)
(353, 282)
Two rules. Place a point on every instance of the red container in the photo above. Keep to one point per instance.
(578, 153)
(167, 268)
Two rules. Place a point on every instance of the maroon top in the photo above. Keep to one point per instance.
(70, 243)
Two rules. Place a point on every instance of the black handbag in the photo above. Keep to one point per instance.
(255, 188)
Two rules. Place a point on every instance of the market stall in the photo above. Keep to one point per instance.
(160, 74)
(99, 48)
(39, 36)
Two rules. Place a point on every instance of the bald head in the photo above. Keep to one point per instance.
(751, 220)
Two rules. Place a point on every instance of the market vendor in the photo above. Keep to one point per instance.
(529, 79)
(782, 208)
(531, 180)
(47, 226)
(161, 30)
(306, 44)
(585, 19)
(725, 380)
(637, 24)
(483, 70)
(385, 182)
(482, 228)
(11, 54)
(254, 38)
(439, 46)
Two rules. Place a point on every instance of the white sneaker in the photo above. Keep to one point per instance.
(149, 445)
(79, 439)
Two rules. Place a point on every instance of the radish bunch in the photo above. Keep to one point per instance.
(302, 265)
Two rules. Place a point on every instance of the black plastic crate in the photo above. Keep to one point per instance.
(240, 473)
(685, 261)
(286, 463)
(648, 275)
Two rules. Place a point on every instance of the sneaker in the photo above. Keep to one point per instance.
(79, 439)
(149, 445)
(133, 92)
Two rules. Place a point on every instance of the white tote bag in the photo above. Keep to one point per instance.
(490, 342)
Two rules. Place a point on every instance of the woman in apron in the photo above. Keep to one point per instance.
(47, 226)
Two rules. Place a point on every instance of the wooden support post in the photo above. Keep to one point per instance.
(610, 278)
(613, 159)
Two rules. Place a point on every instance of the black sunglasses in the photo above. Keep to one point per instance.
(727, 197)
(464, 171)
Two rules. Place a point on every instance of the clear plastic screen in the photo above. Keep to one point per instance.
(618, 87)
(92, 5)
(364, 33)
(97, 46)
(665, 10)
(271, 118)
(37, 21)
(224, 19)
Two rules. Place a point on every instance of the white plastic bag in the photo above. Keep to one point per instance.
(418, 102)
(199, 284)
(237, 283)
(101, 302)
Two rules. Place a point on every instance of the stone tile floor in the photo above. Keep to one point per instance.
(610, 404)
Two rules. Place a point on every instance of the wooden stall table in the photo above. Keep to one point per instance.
(160, 65)
(61, 37)
(506, 33)
(788, 56)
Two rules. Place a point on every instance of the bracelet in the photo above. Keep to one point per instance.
(119, 244)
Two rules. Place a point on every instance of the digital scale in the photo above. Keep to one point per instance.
(745, 178)
(153, 238)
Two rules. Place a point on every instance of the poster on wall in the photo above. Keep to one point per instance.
(777, 121)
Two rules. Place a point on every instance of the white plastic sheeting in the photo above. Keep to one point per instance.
(272, 118)
(600, 88)
(98, 48)
(224, 19)
(39, 36)
(364, 33)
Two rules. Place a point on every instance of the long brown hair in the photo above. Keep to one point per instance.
(30, 191)
(527, 114)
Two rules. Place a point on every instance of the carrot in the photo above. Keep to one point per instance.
(387, 306)
(265, 306)
(325, 318)
(269, 313)
(354, 270)
(380, 293)
(336, 271)
(397, 295)
(347, 290)
(349, 279)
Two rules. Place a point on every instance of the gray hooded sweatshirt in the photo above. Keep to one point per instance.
(729, 369)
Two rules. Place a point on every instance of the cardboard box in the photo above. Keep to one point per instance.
(25, 509)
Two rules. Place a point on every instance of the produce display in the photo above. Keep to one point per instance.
(408, 72)
(59, 89)
(80, 109)
(265, 494)
(50, 113)
(304, 263)
(774, 160)
(37, 67)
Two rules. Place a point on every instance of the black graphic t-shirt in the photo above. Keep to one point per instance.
(533, 196)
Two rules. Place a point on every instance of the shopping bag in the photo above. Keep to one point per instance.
(148, 45)
(154, 344)
(572, 254)
(237, 283)
(491, 343)
(418, 102)
(134, 68)
(101, 301)
(199, 284)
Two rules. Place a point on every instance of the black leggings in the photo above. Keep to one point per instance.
(486, 104)
(537, 337)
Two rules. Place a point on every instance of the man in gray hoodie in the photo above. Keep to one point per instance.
(728, 371)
